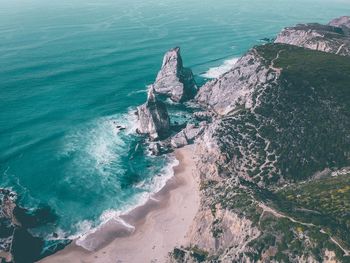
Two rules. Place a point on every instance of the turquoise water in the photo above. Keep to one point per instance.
(70, 70)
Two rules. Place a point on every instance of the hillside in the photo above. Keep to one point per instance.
(279, 133)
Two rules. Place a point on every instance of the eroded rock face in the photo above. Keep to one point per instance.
(222, 231)
(153, 118)
(332, 38)
(173, 80)
(233, 91)
(260, 116)
(343, 21)
(188, 135)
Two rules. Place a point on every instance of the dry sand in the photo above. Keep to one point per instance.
(160, 225)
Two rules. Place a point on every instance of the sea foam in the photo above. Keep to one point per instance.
(216, 72)
(111, 224)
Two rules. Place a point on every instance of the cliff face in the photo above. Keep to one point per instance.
(280, 126)
(343, 22)
(332, 38)
(233, 91)
(153, 118)
(272, 115)
(173, 80)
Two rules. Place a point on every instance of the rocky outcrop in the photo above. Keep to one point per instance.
(222, 231)
(263, 136)
(8, 222)
(188, 135)
(343, 22)
(173, 80)
(233, 91)
(17, 244)
(153, 117)
(332, 38)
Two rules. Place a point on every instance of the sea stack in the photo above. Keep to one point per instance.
(173, 80)
(153, 117)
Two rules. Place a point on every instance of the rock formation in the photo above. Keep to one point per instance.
(17, 244)
(173, 80)
(233, 91)
(277, 118)
(332, 38)
(153, 118)
(188, 135)
(343, 21)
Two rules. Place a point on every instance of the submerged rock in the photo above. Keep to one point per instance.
(153, 118)
(160, 147)
(173, 80)
(17, 244)
(26, 247)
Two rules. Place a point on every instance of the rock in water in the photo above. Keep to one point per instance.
(173, 80)
(17, 244)
(153, 118)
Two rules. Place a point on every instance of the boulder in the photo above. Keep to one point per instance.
(153, 118)
(160, 147)
(173, 80)
(188, 135)
(179, 140)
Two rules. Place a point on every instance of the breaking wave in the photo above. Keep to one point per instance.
(216, 72)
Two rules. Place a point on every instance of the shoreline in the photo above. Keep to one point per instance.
(150, 231)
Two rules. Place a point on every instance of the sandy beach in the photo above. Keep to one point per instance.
(160, 225)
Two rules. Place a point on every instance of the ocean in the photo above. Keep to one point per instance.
(72, 70)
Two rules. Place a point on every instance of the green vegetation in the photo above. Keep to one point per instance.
(194, 253)
(306, 116)
(324, 202)
(178, 254)
(281, 239)
(313, 72)
(299, 127)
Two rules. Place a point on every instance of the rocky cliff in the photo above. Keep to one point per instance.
(233, 91)
(332, 38)
(343, 22)
(153, 118)
(174, 80)
(280, 121)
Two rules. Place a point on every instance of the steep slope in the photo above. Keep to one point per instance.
(174, 80)
(153, 117)
(282, 117)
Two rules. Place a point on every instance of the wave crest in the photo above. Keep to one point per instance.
(216, 72)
